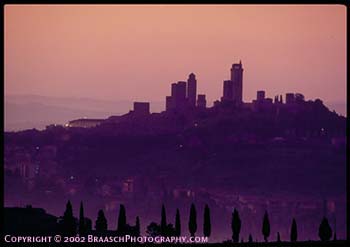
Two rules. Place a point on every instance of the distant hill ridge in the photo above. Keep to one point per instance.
(35, 111)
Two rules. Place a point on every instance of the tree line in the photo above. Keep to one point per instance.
(70, 226)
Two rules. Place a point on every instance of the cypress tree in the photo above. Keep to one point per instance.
(137, 227)
(335, 230)
(82, 228)
(235, 226)
(163, 223)
(266, 227)
(294, 231)
(325, 230)
(101, 222)
(250, 239)
(192, 224)
(121, 220)
(69, 224)
(177, 224)
(207, 223)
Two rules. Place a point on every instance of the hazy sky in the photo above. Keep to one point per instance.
(136, 52)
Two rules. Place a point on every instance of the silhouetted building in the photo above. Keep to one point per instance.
(29, 221)
(178, 99)
(237, 79)
(278, 99)
(180, 92)
(173, 90)
(141, 108)
(169, 105)
(260, 96)
(192, 90)
(216, 103)
(298, 97)
(233, 89)
(201, 102)
(227, 91)
(170, 101)
(84, 123)
(268, 101)
(262, 103)
(290, 98)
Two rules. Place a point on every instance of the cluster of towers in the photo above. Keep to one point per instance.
(233, 89)
(184, 95)
(290, 98)
(278, 98)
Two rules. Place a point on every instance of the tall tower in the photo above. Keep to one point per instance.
(169, 105)
(173, 90)
(180, 91)
(180, 95)
(171, 101)
(237, 79)
(192, 89)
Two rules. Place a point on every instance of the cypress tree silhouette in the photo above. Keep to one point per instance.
(335, 230)
(278, 237)
(266, 227)
(250, 238)
(325, 230)
(192, 224)
(294, 231)
(177, 224)
(69, 223)
(121, 220)
(163, 224)
(137, 227)
(207, 223)
(235, 226)
(82, 227)
(101, 222)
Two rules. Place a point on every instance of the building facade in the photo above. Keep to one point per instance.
(201, 102)
(84, 123)
(227, 91)
(192, 90)
(237, 79)
(141, 108)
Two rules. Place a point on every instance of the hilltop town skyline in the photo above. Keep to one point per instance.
(60, 110)
(185, 98)
(184, 94)
(284, 52)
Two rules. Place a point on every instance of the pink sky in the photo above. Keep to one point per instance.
(135, 52)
